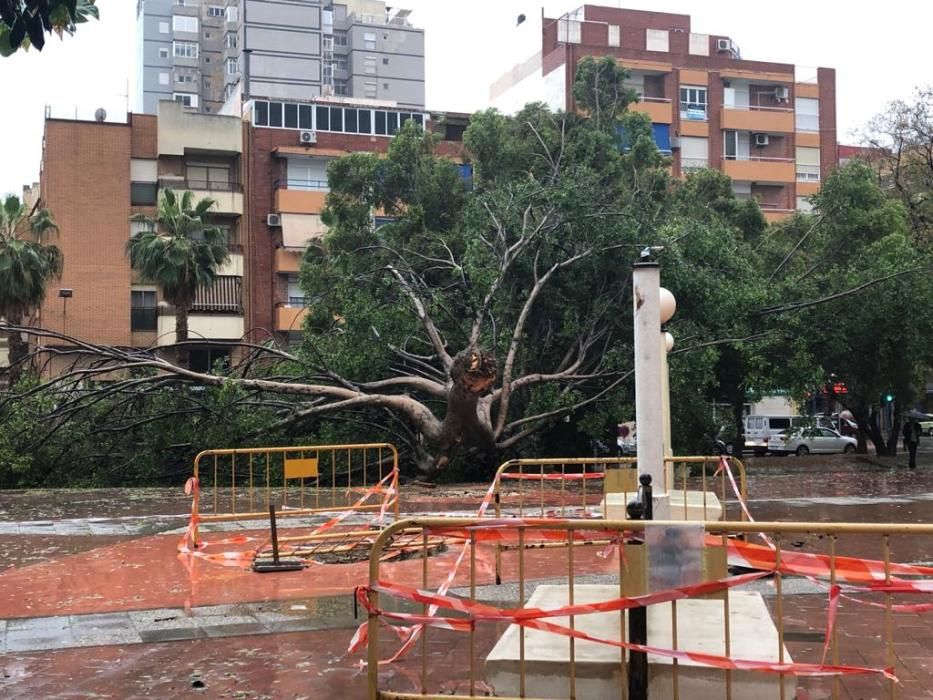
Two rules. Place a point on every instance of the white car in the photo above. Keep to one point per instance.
(811, 440)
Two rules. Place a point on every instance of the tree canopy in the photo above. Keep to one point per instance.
(24, 23)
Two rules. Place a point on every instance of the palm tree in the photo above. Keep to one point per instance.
(179, 252)
(27, 265)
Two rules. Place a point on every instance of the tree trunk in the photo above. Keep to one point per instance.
(471, 375)
(877, 437)
(181, 333)
(738, 415)
(18, 351)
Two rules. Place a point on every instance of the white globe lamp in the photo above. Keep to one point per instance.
(668, 342)
(668, 305)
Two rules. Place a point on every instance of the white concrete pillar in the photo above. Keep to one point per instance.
(649, 405)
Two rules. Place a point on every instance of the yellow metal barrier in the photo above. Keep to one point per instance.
(564, 472)
(790, 545)
(241, 484)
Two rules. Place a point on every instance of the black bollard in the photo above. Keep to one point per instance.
(264, 566)
(638, 617)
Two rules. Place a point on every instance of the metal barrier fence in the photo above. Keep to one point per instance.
(699, 473)
(241, 484)
(462, 635)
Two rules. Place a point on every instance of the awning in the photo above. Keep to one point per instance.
(298, 229)
(221, 297)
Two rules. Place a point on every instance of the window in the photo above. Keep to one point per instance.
(230, 40)
(340, 87)
(369, 41)
(804, 204)
(163, 79)
(291, 116)
(341, 64)
(216, 11)
(808, 164)
(208, 176)
(143, 194)
(380, 122)
(163, 27)
(207, 360)
(261, 113)
(350, 122)
(185, 49)
(736, 145)
(340, 39)
(365, 119)
(369, 90)
(614, 32)
(657, 40)
(327, 44)
(184, 78)
(694, 153)
(369, 65)
(143, 310)
(232, 14)
(305, 118)
(385, 86)
(699, 44)
(807, 111)
(336, 119)
(296, 297)
(163, 52)
(569, 31)
(186, 99)
(322, 115)
(181, 23)
(693, 104)
(232, 66)
(180, 3)
(385, 61)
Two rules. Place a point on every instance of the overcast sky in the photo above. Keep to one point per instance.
(880, 53)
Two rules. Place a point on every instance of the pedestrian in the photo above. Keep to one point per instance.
(911, 440)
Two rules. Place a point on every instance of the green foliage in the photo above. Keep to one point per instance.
(599, 88)
(24, 23)
(27, 263)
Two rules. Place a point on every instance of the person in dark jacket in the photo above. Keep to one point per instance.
(912, 440)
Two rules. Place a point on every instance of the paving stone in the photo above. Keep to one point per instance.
(33, 640)
(236, 630)
(171, 635)
(162, 619)
(44, 624)
(108, 638)
(205, 621)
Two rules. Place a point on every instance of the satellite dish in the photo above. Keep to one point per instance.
(521, 18)
(100, 114)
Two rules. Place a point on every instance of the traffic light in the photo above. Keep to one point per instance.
(888, 398)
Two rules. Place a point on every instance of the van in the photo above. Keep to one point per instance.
(760, 429)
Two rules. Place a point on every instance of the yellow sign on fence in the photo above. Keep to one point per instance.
(301, 468)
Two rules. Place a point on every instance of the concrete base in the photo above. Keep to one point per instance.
(670, 506)
(598, 669)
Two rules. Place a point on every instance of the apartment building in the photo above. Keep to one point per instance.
(210, 53)
(770, 126)
(266, 171)
(95, 176)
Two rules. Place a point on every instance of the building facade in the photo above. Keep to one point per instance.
(770, 126)
(210, 53)
(268, 179)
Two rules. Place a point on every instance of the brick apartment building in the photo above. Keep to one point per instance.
(267, 173)
(770, 126)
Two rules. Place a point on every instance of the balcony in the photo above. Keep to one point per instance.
(228, 196)
(293, 201)
(290, 318)
(765, 170)
(763, 120)
(658, 109)
(181, 130)
(287, 261)
(202, 327)
(773, 214)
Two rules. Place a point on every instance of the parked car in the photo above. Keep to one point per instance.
(926, 427)
(811, 440)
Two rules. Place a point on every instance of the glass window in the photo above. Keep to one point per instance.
(163, 27)
(143, 193)
(275, 114)
(163, 53)
(418, 119)
(349, 121)
(369, 65)
(807, 111)
(230, 40)
(380, 122)
(340, 39)
(808, 164)
(291, 115)
(730, 144)
(185, 49)
(305, 119)
(232, 66)
(261, 114)
(369, 90)
(365, 118)
(369, 40)
(657, 39)
(143, 310)
(232, 13)
(323, 118)
(215, 11)
(336, 119)
(392, 118)
(779, 423)
(184, 24)
(693, 103)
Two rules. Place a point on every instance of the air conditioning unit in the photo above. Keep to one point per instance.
(307, 137)
(762, 140)
(781, 93)
(724, 44)
(273, 220)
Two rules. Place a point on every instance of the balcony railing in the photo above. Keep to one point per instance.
(762, 159)
(758, 108)
(692, 164)
(302, 184)
(210, 186)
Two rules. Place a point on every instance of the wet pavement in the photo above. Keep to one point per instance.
(96, 602)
